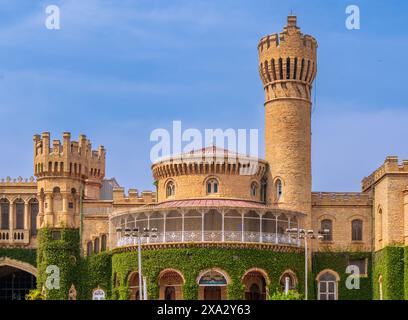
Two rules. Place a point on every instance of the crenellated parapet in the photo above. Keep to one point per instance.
(65, 170)
(67, 158)
(287, 63)
(341, 199)
(391, 166)
(133, 197)
(17, 181)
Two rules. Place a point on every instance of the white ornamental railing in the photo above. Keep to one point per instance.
(211, 236)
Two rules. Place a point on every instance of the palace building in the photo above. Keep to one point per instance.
(217, 224)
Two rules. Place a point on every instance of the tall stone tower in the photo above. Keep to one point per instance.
(63, 172)
(287, 65)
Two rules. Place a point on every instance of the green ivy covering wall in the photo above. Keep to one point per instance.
(338, 262)
(406, 273)
(95, 271)
(20, 254)
(191, 261)
(63, 253)
(389, 264)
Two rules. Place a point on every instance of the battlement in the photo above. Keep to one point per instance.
(17, 181)
(67, 158)
(391, 166)
(340, 199)
(289, 37)
(133, 196)
(287, 56)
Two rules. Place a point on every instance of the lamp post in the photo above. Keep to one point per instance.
(306, 235)
(137, 234)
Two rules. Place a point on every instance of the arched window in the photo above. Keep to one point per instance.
(212, 186)
(5, 214)
(357, 230)
(280, 69)
(288, 68)
(103, 242)
(89, 248)
(279, 189)
(33, 217)
(288, 281)
(264, 184)
(212, 285)
(327, 287)
(254, 189)
(96, 245)
(170, 189)
(327, 225)
(380, 224)
(19, 214)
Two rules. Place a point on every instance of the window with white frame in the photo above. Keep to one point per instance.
(212, 186)
(327, 287)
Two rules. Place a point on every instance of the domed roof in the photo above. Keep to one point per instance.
(209, 154)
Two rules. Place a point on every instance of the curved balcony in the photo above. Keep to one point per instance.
(210, 236)
(183, 222)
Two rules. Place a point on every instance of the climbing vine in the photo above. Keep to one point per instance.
(191, 261)
(338, 262)
(389, 264)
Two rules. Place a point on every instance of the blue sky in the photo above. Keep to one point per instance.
(116, 70)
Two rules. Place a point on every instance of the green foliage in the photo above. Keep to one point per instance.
(389, 264)
(95, 271)
(406, 273)
(291, 295)
(191, 261)
(63, 253)
(338, 262)
(35, 295)
(20, 254)
(85, 273)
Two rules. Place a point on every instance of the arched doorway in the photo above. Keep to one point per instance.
(133, 282)
(15, 283)
(255, 282)
(171, 285)
(212, 285)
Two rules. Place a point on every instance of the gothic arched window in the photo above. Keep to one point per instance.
(212, 186)
(170, 189)
(327, 225)
(357, 230)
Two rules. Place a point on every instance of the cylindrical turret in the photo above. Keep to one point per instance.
(287, 65)
(62, 172)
